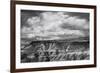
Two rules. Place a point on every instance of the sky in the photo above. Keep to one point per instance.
(52, 25)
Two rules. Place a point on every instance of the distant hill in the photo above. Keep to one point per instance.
(81, 39)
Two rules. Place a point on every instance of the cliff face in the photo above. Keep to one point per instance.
(42, 51)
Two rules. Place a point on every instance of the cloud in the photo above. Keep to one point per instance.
(76, 22)
(55, 24)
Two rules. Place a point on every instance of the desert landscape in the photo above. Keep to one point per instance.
(53, 50)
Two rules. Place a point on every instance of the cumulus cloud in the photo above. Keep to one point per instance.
(77, 23)
(53, 25)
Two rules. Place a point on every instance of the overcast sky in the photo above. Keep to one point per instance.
(52, 25)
